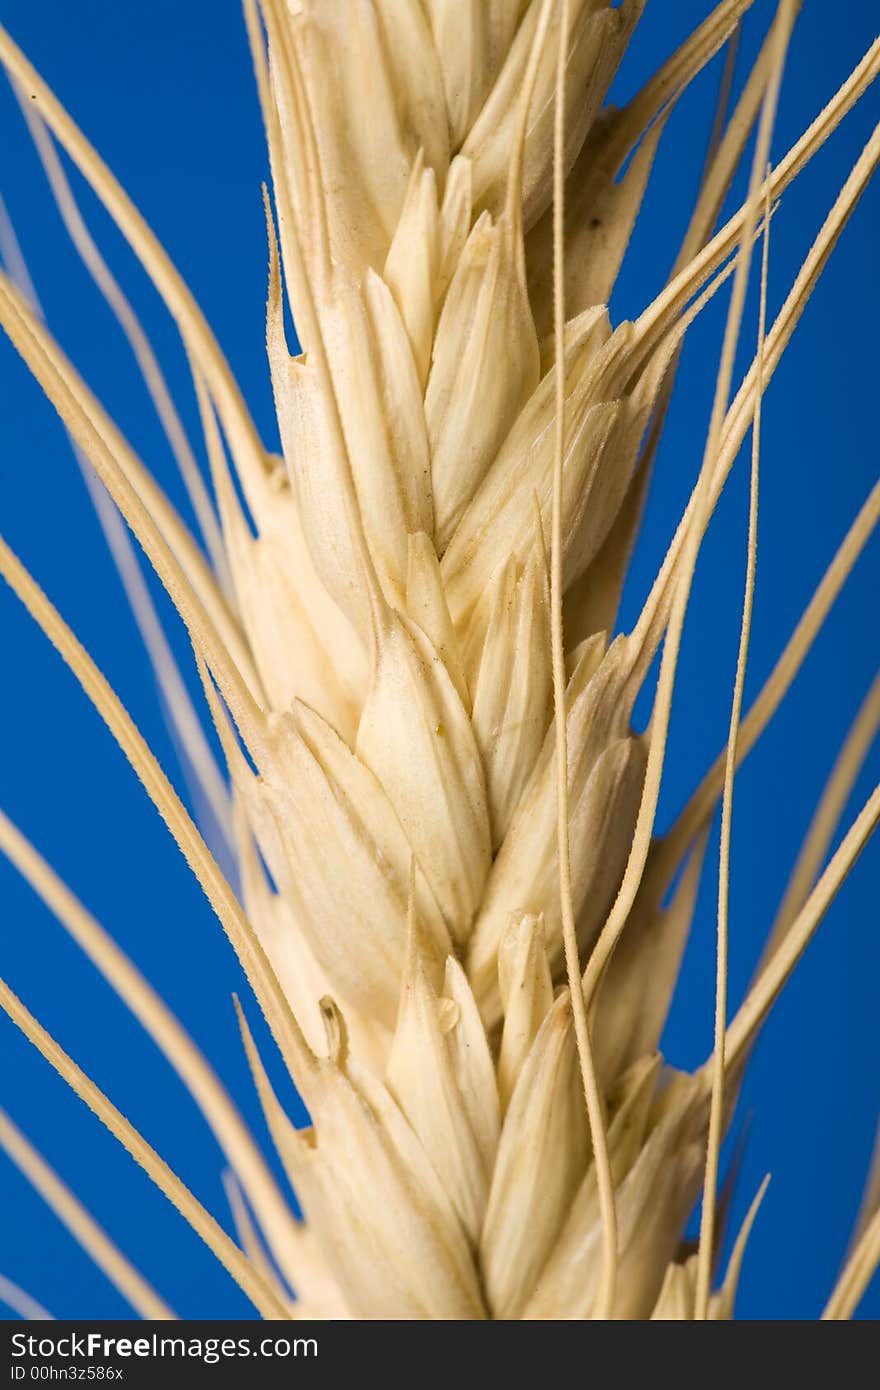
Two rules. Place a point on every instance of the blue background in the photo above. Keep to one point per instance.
(164, 89)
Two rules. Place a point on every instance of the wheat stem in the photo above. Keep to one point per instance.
(70, 400)
(725, 157)
(789, 950)
(185, 723)
(216, 1239)
(146, 246)
(146, 359)
(246, 1232)
(702, 500)
(826, 817)
(689, 59)
(22, 1302)
(169, 1036)
(738, 419)
(716, 1113)
(170, 808)
(778, 683)
(668, 304)
(82, 1226)
(857, 1274)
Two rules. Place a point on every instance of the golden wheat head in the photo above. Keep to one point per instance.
(453, 913)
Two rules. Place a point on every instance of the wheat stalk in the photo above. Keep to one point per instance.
(453, 911)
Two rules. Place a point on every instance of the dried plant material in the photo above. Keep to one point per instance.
(81, 1225)
(454, 915)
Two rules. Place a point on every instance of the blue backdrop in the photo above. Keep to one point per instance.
(164, 89)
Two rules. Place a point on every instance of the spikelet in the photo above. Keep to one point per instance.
(389, 734)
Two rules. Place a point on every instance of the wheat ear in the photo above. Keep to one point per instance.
(454, 913)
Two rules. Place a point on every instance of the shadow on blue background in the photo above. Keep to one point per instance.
(165, 92)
